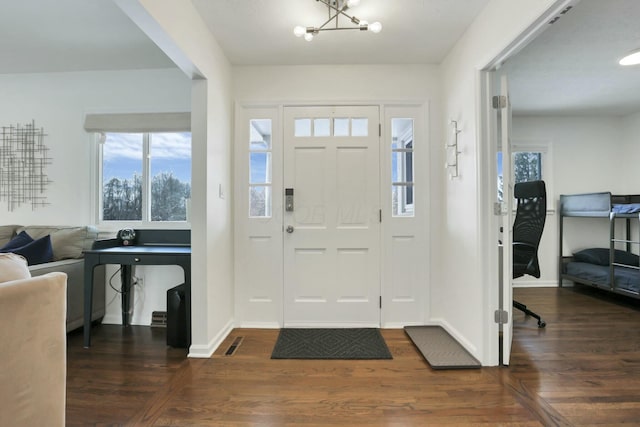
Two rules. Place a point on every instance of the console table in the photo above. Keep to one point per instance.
(151, 247)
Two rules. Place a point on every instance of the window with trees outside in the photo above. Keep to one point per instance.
(145, 176)
(529, 164)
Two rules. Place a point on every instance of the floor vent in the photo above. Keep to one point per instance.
(234, 346)
(159, 319)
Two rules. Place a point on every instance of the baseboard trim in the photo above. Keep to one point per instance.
(112, 319)
(259, 325)
(331, 325)
(396, 325)
(536, 284)
(206, 351)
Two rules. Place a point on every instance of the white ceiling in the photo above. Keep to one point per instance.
(255, 32)
(569, 69)
(39, 36)
(572, 67)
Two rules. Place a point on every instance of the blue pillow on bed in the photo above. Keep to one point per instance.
(627, 258)
(600, 256)
(597, 256)
(627, 208)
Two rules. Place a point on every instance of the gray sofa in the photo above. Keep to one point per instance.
(67, 243)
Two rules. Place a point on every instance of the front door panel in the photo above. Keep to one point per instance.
(332, 228)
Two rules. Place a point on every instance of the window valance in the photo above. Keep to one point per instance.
(138, 122)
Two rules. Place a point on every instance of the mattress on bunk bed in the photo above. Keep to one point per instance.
(598, 204)
(625, 278)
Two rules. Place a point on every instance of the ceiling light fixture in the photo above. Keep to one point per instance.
(335, 9)
(632, 58)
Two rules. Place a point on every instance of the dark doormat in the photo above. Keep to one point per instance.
(350, 343)
(440, 349)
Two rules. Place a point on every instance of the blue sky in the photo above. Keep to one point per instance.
(259, 168)
(170, 152)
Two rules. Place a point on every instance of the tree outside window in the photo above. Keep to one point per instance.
(127, 158)
(527, 166)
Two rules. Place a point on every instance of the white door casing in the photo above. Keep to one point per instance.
(331, 238)
(504, 145)
(259, 239)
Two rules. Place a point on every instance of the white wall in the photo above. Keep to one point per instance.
(631, 159)
(368, 84)
(373, 84)
(336, 83)
(58, 103)
(179, 31)
(464, 297)
(590, 154)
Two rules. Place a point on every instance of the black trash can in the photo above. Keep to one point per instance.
(176, 317)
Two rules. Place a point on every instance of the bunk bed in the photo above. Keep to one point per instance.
(607, 267)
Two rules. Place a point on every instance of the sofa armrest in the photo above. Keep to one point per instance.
(74, 269)
(33, 374)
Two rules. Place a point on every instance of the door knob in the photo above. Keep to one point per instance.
(290, 229)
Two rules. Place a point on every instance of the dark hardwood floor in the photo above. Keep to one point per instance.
(583, 369)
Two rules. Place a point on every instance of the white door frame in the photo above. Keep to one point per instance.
(405, 247)
(487, 166)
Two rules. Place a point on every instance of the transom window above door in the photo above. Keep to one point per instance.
(336, 126)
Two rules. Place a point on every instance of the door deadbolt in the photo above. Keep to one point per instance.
(288, 199)
(290, 229)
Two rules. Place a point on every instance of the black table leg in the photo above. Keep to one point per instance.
(125, 289)
(89, 264)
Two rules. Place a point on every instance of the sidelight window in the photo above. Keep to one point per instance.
(402, 186)
(260, 169)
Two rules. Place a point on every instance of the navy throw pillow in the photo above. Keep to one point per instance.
(37, 252)
(19, 241)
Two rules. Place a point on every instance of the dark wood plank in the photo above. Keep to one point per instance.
(583, 369)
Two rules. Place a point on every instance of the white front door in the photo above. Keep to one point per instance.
(331, 221)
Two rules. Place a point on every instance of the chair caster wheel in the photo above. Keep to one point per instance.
(542, 324)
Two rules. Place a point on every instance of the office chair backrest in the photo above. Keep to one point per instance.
(531, 214)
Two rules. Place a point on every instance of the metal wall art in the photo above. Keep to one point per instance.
(23, 158)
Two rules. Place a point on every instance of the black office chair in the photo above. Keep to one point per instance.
(527, 231)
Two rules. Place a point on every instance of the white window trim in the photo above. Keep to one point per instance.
(96, 193)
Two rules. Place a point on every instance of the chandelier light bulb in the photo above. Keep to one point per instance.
(299, 31)
(308, 37)
(353, 3)
(375, 27)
